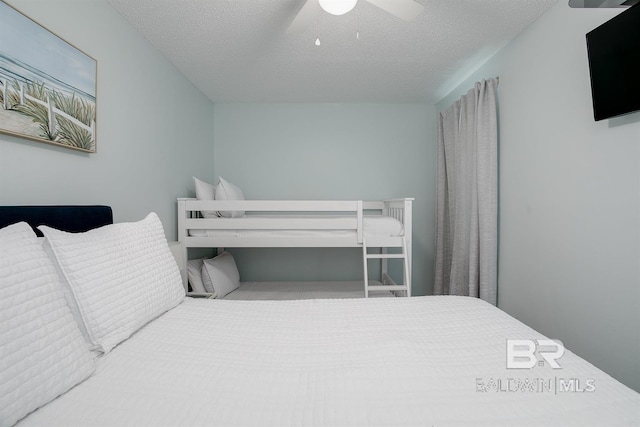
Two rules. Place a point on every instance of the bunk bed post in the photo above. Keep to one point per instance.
(384, 266)
(407, 220)
(365, 263)
(182, 216)
(359, 215)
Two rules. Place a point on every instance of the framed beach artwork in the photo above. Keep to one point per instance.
(47, 86)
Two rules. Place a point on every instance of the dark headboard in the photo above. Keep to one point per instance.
(66, 218)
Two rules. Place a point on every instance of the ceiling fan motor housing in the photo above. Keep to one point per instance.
(337, 7)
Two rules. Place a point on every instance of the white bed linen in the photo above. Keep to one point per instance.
(302, 290)
(386, 361)
(372, 226)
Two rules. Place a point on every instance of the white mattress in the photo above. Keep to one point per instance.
(302, 290)
(387, 361)
(372, 226)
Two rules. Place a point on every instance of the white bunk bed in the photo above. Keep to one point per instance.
(306, 223)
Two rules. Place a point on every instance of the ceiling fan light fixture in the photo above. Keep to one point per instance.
(337, 7)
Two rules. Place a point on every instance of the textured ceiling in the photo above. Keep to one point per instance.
(240, 51)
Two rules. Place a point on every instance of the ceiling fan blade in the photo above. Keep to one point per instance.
(305, 18)
(403, 9)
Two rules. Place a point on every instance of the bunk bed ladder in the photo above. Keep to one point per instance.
(388, 284)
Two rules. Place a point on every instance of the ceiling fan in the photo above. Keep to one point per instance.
(407, 10)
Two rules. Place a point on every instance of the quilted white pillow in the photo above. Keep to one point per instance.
(42, 351)
(121, 275)
(205, 191)
(220, 274)
(227, 191)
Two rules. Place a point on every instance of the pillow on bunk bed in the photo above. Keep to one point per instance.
(43, 351)
(122, 276)
(194, 272)
(227, 191)
(220, 274)
(205, 191)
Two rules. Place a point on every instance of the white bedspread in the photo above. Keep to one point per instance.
(388, 361)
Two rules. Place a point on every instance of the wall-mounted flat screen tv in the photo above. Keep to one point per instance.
(614, 65)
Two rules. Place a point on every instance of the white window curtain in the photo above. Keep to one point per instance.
(467, 196)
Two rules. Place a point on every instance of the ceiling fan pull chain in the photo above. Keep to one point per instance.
(318, 28)
(358, 22)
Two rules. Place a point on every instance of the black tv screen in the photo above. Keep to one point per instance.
(614, 65)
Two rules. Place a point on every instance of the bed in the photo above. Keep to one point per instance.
(380, 229)
(136, 351)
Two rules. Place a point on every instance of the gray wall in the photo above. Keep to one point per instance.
(329, 151)
(154, 129)
(569, 196)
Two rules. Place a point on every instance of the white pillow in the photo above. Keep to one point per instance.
(121, 275)
(194, 271)
(220, 274)
(227, 191)
(205, 191)
(43, 352)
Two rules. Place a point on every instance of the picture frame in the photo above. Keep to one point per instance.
(47, 86)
